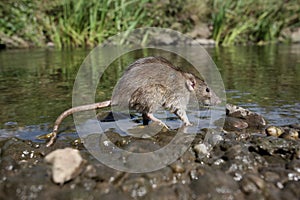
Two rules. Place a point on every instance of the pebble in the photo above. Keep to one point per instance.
(282, 132)
(177, 167)
(291, 134)
(90, 171)
(66, 164)
(252, 184)
(136, 187)
(231, 167)
(274, 131)
(271, 177)
(233, 152)
(201, 150)
(294, 165)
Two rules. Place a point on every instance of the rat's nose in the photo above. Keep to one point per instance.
(218, 101)
(212, 102)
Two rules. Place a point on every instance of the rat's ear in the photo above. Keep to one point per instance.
(190, 84)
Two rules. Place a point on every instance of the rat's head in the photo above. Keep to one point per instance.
(205, 94)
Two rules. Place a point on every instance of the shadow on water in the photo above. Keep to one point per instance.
(36, 85)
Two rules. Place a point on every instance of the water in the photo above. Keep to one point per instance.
(36, 85)
(264, 79)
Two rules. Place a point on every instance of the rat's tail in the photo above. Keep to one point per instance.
(70, 111)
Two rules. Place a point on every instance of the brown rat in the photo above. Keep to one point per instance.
(149, 84)
(153, 82)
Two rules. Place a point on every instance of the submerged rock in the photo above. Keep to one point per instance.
(66, 164)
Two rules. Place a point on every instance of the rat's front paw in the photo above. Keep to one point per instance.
(188, 124)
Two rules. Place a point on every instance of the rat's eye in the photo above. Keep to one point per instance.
(207, 90)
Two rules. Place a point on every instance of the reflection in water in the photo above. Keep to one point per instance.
(264, 79)
(36, 85)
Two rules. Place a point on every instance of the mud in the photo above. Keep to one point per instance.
(240, 165)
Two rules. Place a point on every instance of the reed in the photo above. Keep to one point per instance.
(81, 23)
(252, 21)
(87, 23)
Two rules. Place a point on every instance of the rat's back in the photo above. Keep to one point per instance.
(144, 72)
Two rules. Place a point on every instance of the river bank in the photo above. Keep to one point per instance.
(240, 165)
(66, 24)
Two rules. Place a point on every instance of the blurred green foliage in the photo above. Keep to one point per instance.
(17, 18)
(254, 21)
(78, 23)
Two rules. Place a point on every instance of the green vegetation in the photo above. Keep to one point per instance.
(253, 21)
(79, 23)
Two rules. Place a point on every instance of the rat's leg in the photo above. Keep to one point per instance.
(151, 117)
(181, 113)
(145, 119)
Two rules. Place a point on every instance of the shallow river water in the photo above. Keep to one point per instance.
(36, 85)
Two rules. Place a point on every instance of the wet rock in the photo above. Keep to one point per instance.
(277, 148)
(291, 134)
(137, 187)
(113, 195)
(254, 120)
(283, 132)
(177, 167)
(233, 152)
(160, 177)
(253, 167)
(90, 171)
(274, 131)
(164, 193)
(17, 154)
(270, 176)
(171, 192)
(201, 150)
(66, 164)
(294, 165)
(251, 183)
(214, 184)
(234, 124)
(291, 190)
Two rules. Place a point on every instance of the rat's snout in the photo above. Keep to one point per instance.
(212, 103)
(217, 101)
(214, 100)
